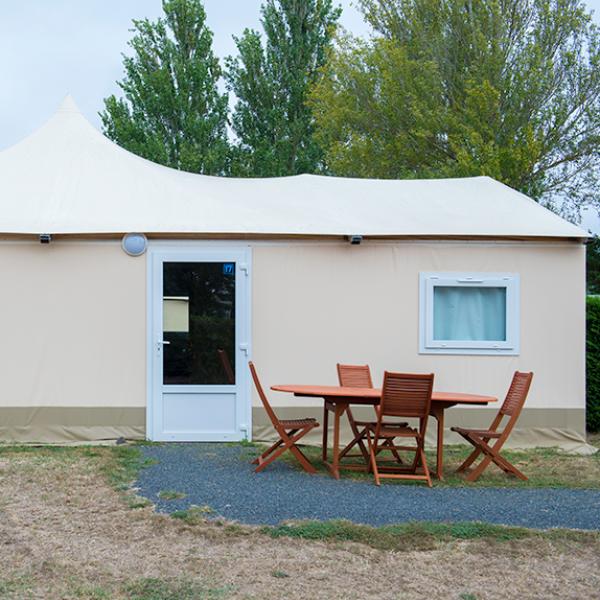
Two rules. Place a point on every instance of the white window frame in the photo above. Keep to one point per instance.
(429, 280)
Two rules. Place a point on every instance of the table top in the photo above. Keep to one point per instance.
(372, 395)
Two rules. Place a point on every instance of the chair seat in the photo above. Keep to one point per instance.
(298, 423)
(484, 433)
(394, 430)
(385, 423)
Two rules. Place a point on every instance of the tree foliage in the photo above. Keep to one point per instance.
(272, 121)
(593, 363)
(445, 88)
(172, 112)
(593, 266)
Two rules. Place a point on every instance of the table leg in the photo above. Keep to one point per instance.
(325, 430)
(438, 413)
(340, 409)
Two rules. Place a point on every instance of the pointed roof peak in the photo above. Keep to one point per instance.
(68, 105)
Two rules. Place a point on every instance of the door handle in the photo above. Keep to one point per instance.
(244, 348)
(160, 344)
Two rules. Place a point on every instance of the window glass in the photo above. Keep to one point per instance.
(469, 313)
(199, 323)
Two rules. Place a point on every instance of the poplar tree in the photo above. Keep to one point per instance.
(171, 111)
(270, 78)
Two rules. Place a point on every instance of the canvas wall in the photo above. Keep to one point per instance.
(73, 341)
(317, 304)
(74, 331)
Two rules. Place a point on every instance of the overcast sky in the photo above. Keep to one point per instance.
(51, 48)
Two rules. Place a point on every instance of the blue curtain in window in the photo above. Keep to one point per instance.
(469, 313)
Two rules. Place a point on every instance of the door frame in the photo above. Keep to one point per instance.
(205, 250)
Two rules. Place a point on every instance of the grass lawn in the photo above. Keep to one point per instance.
(71, 527)
(545, 467)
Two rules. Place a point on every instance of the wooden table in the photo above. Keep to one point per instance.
(337, 399)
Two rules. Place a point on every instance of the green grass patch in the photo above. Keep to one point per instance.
(171, 495)
(416, 535)
(279, 574)
(160, 589)
(193, 515)
(23, 588)
(119, 465)
(92, 592)
(19, 587)
(134, 502)
(123, 465)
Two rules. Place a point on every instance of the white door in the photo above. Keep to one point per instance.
(199, 334)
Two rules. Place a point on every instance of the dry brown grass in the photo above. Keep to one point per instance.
(66, 533)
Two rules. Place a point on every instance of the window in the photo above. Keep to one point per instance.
(469, 313)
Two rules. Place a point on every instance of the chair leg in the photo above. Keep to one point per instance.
(307, 466)
(492, 454)
(288, 443)
(372, 455)
(469, 460)
(479, 469)
(421, 453)
(357, 440)
(269, 459)
(503, 464)
(415, 462)
(389, 443)
(508, 467)
(267, 452)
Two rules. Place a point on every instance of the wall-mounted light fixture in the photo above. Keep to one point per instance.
(45, 238)
(134, 244)
(355, 239)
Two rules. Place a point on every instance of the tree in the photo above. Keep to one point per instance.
(273, 124)
(449, 88)
(172, 112)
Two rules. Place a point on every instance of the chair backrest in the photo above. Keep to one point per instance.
(358, 376)
(406, 395)
(263, 398)
(226, 365)
(517, 394)
(512, 405)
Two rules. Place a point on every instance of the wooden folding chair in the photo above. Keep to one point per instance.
(402, 395)
(290, 431)
(358, 376)
(480, 438)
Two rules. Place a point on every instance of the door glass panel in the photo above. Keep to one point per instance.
(199, 323)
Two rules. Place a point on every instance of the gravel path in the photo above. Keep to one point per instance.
(220, 476)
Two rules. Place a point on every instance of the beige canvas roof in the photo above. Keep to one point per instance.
(67, 178)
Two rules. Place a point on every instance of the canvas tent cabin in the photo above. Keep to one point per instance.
(466, 278)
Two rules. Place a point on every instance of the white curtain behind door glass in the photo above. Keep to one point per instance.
(469, 313)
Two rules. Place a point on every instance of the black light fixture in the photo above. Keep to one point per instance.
(355, 239)
(45, 238)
